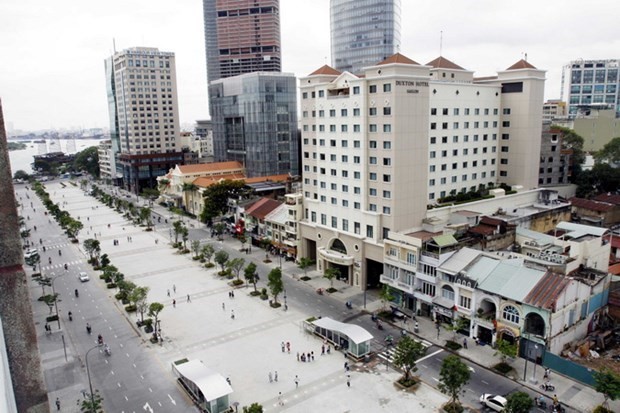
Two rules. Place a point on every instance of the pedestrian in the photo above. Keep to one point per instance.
(189, 300)
(555, 400)
(323, 350)
(282, 346)
(312, 355)
(288, 347)
(346, 366)
(57, 403)
(465, 343)
(296, 381)
(223, 307)
(174, 303)
(297, 355)
(232, 294)
(280, 402)
(270, 378)
(174, 288)
(547, 373)
(168, 293)
(349, 380)
(275, 376)
(232, 314)
(329, 348)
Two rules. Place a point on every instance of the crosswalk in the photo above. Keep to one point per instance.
(390, 351)
(61, 266)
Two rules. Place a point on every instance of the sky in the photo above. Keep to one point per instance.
(52, 52)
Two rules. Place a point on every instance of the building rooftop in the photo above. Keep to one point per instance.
(325, 70)
(521, 64)
(512, 279)
(546, 291)
(609, 198)
(209, 167)
(398, 58)
(591, 205)
(443, 63)
(262, 208)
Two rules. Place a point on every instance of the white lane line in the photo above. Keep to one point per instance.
(118, 384)
(172, 400)
(150, 390)
(428, 356)
(484, 382)
(437, 380)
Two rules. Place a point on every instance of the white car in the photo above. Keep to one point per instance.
(83, 277)
(494, 402)
(31, 253)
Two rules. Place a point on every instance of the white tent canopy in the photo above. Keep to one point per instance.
(212, 384)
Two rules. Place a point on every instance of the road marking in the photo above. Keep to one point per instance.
(147, 407)
(151, 390)
(172, 400)
(484, 382)
(428, 356)
(118, 384)
(437, 380)
(134, 366)
(126, 398)
(112, 371)
(127, 354)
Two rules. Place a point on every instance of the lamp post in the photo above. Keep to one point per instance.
(90, 384)
(533, 379)
(53, 278)
(285, 304)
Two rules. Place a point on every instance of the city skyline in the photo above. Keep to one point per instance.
(38, 94)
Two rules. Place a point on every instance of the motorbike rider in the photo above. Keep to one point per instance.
(59, 253)
(100, 339)
(50, 260)
(107, 349)
(70, 314)
(77, 294)
(88, 328)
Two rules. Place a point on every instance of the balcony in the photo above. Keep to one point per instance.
(419, 295)
(392, 282)
(425, 277)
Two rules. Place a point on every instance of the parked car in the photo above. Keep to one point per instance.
(31, 253)
(83, 277)
(494, 402)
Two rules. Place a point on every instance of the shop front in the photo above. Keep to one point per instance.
(443, 308)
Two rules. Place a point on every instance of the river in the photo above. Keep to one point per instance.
(22, 159)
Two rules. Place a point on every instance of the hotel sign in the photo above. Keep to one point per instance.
(412, 84)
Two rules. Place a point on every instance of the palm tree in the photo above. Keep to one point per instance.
(189, 188)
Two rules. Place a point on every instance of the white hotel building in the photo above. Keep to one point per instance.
(378, 148)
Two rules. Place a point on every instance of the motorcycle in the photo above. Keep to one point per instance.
(100, 340)
(389, 340)
(89, 329)
(50, 260)
(319, 291)
(379, 325)
(541, 403)
(107, 350)
(70, 316)
(547, 387)
(76, 292)
(59, 253)
(66, 267)
(349, 305)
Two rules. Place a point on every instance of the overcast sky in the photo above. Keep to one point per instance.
(52, 52)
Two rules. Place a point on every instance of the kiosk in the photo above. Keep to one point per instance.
(207, 388)
(352, 339)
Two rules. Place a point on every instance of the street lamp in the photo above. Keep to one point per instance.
(285, 304)
(90, 384)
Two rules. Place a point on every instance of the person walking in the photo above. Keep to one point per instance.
(189, 300)
(349, 380)
(168, 293)
(465, 343)
(57, 403)
(223, 307)
(174, 288)
(547, 373)
(282, 345)
(296, 381)
(174, 303)
(280, 402)
(232, 314)
(270, 378)
(275, 376)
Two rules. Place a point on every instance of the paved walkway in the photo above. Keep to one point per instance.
(247, 348)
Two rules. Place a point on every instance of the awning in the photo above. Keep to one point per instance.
(212, 384)
(444, 302)
(355, 333)
(445, 240)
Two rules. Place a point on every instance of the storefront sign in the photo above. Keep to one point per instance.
(441, 310)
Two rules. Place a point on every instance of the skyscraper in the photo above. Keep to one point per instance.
(592, 83)
(241, 36)
(144, 115)
(363, 32)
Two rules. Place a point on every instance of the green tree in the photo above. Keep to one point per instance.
(460, 324)
(221, 258)
(50, 300)
(250, 274)
(138, 298)
(386, 295)
(184, 236)
(218, 229)
(145, 217)
(505, 349)
(104, 261)
(93, 249)
(87, 160)
(607, 383)
(601, 178)
(454, 374)
(154, 310)
(73, 228)
(195, 244)
(242, 239)
(253, 408)
(331, 273)
(610, 152)
(305, 263)
(408, 351)
(236, 265)
(208, 250)
(177, 227)
(92, 404)
(519, 402)
(21, 174)
(275, 283)
(216, 198)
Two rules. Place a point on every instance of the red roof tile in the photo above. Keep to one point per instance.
(442, 62)
(591, 205)
(325, 70)
(546, 291)
(609, 198)
(262, 208)
(397, 58)
(210, 167)
(521, 64)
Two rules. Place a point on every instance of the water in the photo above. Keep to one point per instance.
(22, 159)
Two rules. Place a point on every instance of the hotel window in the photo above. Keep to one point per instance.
(387, 145)
(387, 194)
(506, 111)
(373, 160)
(321, 128)
(344, 128)
(443, 181)
(334, 201)
(357, 175)
(333, 187)
(455, 125)
(444, 125)
(357, 205)
(345, 158)
(334, 222)
(372, 176)
(332, 158)
(332, 113)
(357, 190)
(387, 162)
(372, 207)
(444, 111)
(323, 219)
(304, 95)
(356, 111)
(373, 191)
(387, 211)
(466, 111)
(372, 144)
(345, 203)
(372, 111)
(387, 178)
(321, 93)
(357, 144)
(433, 125)
(455, 111)
(313, 216)
(372, 128)
(321, 113)
(344, 143)
(356, 128)
(431, 182)
(356, 90)
(433, 140)
(387, 111)
(387, 87)
(372, 89)
(387, 128)
(433, 111)
(476, 111)
(343, 113)
(332, 128)
(433, 154)
(345, 188)
(323, 198)
(345, 174)
(356, 227)
(345, 224)
(465, 302)
(506, 124)
(356, 159)
(369, 231)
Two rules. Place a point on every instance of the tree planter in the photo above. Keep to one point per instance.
(452, 408)
(410, 385)
(264, 297)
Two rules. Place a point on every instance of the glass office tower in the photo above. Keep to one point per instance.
(363, 32)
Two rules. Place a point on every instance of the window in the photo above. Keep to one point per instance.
(387, 128)
(357, 190)
(431, 182)
(387, 87)
(387, 211)
(506, 111)
(344, 128)
(387, 161)
(387, 178)
(321, 93)
(444, 111)
(373, 160)
(321, 113)
(372, 176)
(506, 124)
(345, 203)
(345, 188)
(356, 90)
(356, 111)
(372, 207)
(343, 113)
(344, 143)
(345, 158)
(373, 191)
(356, 227)
(433, 111)
(433, 125)
(345, 224)
(511, 314)
(372, 89)
(332, 113)
(387, 145)
(465, 302)
(356, 159)
(356, 205)
(334, 222)
(387, 194)
(433, 140)
(323, 219)
(431, 168)
(372, 128)
(372, 144)
(356, 128)
(447, 292)
(369, 231)
(387, 111)
(372, 111)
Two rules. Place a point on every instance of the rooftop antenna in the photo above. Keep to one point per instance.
(114, 45)
(526, 56)
(440, 42)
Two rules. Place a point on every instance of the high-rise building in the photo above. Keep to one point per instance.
(144, 115)
(591, 83)
(241, 36)
(254, 119)
(378, 148)
(363, 32)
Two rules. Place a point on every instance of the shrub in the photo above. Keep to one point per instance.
(407, 383)
(267, 261)
(110, 286)
(237, 282)
(601, 409)
(122, 295)
(264, 297)
(263, 291)
(209, 265)
(130, 308)
(51, 318)
(255, 293)
(195, 258)
(453, 407)
(453, 345)
(503, 368)
(331, 290)
(305, 278)
(273, 304)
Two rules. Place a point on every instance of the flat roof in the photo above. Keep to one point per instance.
(356, 333)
